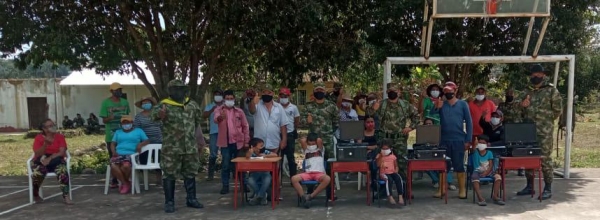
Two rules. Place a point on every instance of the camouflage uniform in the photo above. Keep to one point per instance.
(545, 107)
(325, 120)
(393, 118)
(511, 113)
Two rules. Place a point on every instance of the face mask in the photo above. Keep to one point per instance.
(495, 121)
(229, 103)
(52, 129)
(481, 147)
(319, 95)
(127, 126)
(177, 93)
(284, 101)
(435, 93)
(372, 102)
(218, 98)
(509, 98)
(536, 80)
(266, 98)
(117, 94)
(480, 97)
(386, 152)
(392, 95)
(147, 106)
(449, 95)
(347, 104)
(311, 147)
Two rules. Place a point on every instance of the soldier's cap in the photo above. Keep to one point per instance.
(267, 87)
(285, 91)
(537, 68)
(319, 85)
(176, 83)
(393, 86)
(450, 85)
(483, 137)
(498, 112)
(115, 86)
(149, 98)
(347, 98)
(126, 118)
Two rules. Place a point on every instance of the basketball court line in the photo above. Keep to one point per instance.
(28, 204)
(15, 192)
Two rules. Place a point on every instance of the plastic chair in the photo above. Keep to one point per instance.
(49, 174)
(379, 183)
(312, 182)
(487, 179)
(151, 164)
(107, 179)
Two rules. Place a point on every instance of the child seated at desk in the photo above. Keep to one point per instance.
(314, 168)
(259, 182)
(483, 166)
(388, 171)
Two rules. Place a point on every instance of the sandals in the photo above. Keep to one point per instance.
(482, 203)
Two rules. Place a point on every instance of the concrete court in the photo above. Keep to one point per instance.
(577, 198)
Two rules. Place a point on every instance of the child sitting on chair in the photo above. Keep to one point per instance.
(388, 171)
(259, 182)
(314, 168)
(483, 166)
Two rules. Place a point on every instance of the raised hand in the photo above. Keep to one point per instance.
(309, 119)
(48, 139)
(439, 103)
(162, 113)
(526, 102)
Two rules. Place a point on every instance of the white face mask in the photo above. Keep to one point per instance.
(218, 98)
(311, 147)
(386, 152)
(495, 121)
(372, 102)
(284, 101)
(481, 147)
(479, 97)
(347, 104)
(229, 103)
(435, 93)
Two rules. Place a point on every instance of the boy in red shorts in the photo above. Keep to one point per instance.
(314, 168)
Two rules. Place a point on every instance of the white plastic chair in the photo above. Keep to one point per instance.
(49, 174)
(107, 180)
(151, 164)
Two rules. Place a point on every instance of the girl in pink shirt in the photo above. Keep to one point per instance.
(388, 171)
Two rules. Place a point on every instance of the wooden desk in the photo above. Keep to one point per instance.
(359, 166)
(426, 165)
(527, 163)
(243, 164)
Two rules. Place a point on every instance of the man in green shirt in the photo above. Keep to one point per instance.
(111, 111)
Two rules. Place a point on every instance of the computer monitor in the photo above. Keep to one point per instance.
(352, 130)
(520, 133)
(428, 134)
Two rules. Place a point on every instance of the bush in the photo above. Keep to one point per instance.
(67, 133)
(94, 162)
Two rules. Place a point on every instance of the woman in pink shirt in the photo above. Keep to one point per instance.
(476, 107)
(388, 171)
(233, 134)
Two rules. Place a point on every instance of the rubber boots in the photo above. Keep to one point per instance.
(441, 189)
(169, 188)
(211, 168)
(528, 190)
(462, 185)
(190, 189)
(547, 194)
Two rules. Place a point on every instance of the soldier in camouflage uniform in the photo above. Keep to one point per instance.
(322, 118)
(181, 119)
(541, 103)
(334, 96)
(511, 114)
(393, 114)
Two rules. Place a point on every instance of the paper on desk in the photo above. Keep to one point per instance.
(256, 158)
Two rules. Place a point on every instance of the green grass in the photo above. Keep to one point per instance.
(585, 149)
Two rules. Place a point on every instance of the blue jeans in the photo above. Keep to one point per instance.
(436, 179)
(227, 154)
(213, 146)
(456, 151)
(260, 182)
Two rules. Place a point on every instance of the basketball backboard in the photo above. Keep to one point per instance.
(490, 8)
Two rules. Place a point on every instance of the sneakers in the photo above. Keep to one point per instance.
(255, 201)
(306, 201)
(436, 185)
(224, 190)
(125, 188)
(452, 187)
(264, 201)
(482, 203)
(499, 202)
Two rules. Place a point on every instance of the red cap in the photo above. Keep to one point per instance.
(285, 91)
(450, 85)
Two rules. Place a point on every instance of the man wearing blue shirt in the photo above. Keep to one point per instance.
(454, 118)
(214, 131)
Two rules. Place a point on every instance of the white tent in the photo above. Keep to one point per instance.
(502, 59)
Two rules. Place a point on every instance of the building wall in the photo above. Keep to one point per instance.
(13, 101)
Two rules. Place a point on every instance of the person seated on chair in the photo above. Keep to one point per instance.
(49, 150)
(314, 169)
(494, 129)
(259, 182)
(388, 171)
(483, 166)
(126, 141)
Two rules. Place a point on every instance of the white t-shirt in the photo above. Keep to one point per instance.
(267, 126)
(314, 164)
(292, 112)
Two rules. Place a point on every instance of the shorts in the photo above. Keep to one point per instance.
(476, 176)
(312, 176)
(121, 159)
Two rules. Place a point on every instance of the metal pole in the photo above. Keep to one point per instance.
(556, 71)
(571, 85)
(541, 37)
(429, 30)
(530, 29)
(387, 76)
(424, 31)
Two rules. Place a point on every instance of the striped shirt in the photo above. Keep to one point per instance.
(151, 128)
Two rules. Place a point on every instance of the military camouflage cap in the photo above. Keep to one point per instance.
(266, 87)
(319, 85)
(176, 82)
(393, 86)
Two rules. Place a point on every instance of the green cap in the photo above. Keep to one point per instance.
(393, 86)
(319, 85)
(176, 82)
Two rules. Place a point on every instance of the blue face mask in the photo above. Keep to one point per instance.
(147, 106)
(127, 126)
